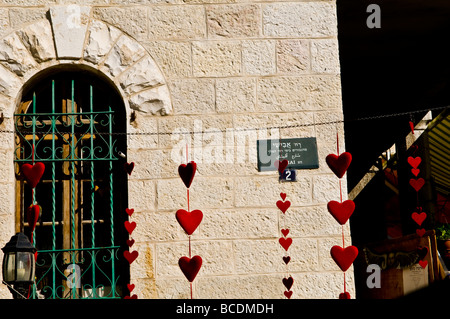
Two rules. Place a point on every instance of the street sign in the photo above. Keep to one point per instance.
(301, 153)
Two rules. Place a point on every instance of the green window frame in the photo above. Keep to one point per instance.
(72, 121)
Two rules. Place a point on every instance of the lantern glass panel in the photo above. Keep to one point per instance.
(9, 267)
(25, 266)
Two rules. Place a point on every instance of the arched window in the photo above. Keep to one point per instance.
(73, 121)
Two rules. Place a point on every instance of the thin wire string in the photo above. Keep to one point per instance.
(368, 118)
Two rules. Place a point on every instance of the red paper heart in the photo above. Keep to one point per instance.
(344, 257)
(339, 164)
(130, 287)
(190, 266)
(33, 173)
(415, 171)
(288, 294)
(285, 232)
(128, 167)
(283, 206)
(130, 242)
(33, 215)
(131, 297)
(420, 232)
(344, 295)
(419, 218)
(341, 211)
(129, 211)
(283, 196)
(130, 226)
(417, 183)
(423, 263)
(281, 165)
(414, 162)
(131, 256)
(288, 282)
(189, 221)
(285, 243)
(286, 259)
(187, 172)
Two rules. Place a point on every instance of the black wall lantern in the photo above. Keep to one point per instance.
(19, 265)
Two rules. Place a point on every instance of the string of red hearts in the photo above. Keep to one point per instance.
(130, 256)
(419, 215)
(341, 211)
(189, 221)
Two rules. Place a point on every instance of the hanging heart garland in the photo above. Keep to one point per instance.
(341, 212)
(418, 216)
(130, 256)
(33, 213)
(285, 242)
(189, 221)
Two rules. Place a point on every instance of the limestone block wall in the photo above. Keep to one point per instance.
(213, 67)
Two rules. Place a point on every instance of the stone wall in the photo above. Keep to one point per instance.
(208, 66)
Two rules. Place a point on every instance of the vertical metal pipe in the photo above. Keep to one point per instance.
(91, 102)
(72, 168)
(53, 194)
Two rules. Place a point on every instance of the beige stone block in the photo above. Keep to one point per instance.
(131, 20)
(145, 288)
(193, 96)
(255, 286)
(101, 37)
(15, 56)
(258, 57)
(293, 56)
(174, 288)
(20, 16)
(276, 125)
(216, 58)
(124, 53)
(38, 39)
(143, 75)
(174, 58)
(310, 221)
(141, 195)
(176, 22)
(194, 131)
(151, 164)
(237, 224)
(143, 266)
(4, 21)
(327, 285)
(299, 93)
(158, 227)
(325, 56)
(152, 101)
(235, 95)
(300, 19)
(9, 86)
(325, 188)
(260, 191)
(229, 21)
(331, 124)
(204, 193)
(143, 132)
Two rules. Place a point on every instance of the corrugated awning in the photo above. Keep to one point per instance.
(439, 144)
